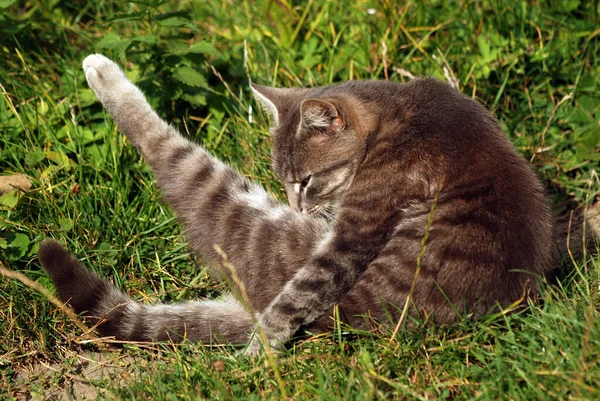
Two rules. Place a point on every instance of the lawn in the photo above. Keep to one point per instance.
(535, 65)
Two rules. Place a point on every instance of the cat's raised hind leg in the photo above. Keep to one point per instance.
(116, 314)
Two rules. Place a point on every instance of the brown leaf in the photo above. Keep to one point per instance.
(10, 182)
(219, 366)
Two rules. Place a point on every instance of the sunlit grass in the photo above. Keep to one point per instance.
(91, 190)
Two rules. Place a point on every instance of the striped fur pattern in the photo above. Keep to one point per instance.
(370, 168)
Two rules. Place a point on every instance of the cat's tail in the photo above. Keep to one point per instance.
(116, 314)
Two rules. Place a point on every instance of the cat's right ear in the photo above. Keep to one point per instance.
(272, 99)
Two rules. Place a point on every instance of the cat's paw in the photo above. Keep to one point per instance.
(257, 346)
(103, 75)
(254, 348)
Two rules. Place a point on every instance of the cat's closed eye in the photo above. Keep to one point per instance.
(305, 183)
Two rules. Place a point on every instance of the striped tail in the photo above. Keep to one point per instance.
(116, 314)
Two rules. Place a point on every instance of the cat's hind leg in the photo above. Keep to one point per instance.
(116, 314)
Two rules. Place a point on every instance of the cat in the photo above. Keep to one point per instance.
(393, 189)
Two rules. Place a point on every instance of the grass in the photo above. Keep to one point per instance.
(535, 65)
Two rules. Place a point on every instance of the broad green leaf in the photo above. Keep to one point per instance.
(87, 97)
(190, 76)
(569, 5)
(66, 224)
(63, 132)
(589, 103)
(59, 158)
(85, 136)
(6, 3)
(108, 253)
(19, 243)
(129, 17)
(218, 114)
(48, 171)
(578, 117)
(589, 137)
(588, 81)
(198, 99)
(148, 38)
(584, 155)
(175, 22)
(176, 47)
(112, 41)
(10, 199)
(484, 46)
(96, 155)
(34, 157)
(172, 22)
(200, 48)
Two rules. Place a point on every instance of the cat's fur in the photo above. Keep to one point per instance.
(379, 159)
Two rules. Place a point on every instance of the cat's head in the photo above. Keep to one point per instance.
(319, 140)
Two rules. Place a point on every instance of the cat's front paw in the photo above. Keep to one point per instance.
(103, 75)
(254, 348)
(257, 345)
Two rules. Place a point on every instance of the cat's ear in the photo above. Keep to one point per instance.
(321, 115)
(272, 99)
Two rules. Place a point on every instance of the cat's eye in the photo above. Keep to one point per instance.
(304, 183)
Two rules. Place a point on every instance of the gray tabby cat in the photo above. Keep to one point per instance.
(380, 160)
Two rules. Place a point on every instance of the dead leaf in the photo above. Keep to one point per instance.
(219, 366)
(10, 182)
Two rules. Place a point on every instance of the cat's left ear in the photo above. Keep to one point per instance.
(322, 115)
(273, 100)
